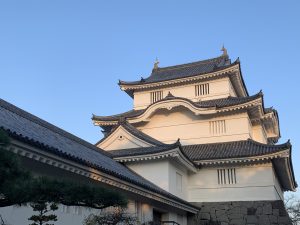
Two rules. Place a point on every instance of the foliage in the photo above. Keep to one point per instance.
(19, 187)
(113, 217)
(43, 208)
(292, 204)
(13, 179)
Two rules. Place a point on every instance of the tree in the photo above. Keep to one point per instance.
(19, 187)
(292, 204)
(43, 218)
(115, 216)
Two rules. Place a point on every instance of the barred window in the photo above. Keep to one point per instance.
(202, 89)
(227, 176)
(156, 96)
(217, 127)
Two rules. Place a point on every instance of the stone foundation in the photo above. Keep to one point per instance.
(241, 213)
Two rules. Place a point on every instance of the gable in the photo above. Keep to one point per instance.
(121, 139)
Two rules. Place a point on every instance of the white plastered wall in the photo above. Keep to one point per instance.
(163, 173)
(167, 126)
(259, 133)
(121, 139)
(74, 215)
(219, 88)
(254, 183)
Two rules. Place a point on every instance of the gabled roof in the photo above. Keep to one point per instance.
(217, 103)
(132, 130)
(29, 129)
(184, 70)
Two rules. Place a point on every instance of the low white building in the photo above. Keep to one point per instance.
(194, 141)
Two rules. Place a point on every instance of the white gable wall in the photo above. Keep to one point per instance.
(220, 88)
(121, 139)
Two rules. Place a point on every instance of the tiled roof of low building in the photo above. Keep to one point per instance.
(184, 70)
(34, 131)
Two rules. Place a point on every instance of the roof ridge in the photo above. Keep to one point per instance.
(190, 64)
(26, 115)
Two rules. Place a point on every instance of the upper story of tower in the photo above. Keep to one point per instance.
(209, 79)
(200, 102)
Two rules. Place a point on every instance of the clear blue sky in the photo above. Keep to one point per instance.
(61, 60)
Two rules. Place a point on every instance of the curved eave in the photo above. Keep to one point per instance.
(169, 103)
(173, 152)
(140, 85)
(240, 87)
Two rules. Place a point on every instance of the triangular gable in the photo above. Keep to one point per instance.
(121, 138)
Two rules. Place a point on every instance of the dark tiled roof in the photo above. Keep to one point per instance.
(236, 149)
(184, 70)
(141, 151)
(32, 130)
(219, 103)
(135, 132)
(224, 150)
(130, 113)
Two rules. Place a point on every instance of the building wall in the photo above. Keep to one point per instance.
(253, 183)
(165, 174)
(259, 133)
(75, 215)
(220, 88)
(178, 180)
(168, 126)
(154, 171)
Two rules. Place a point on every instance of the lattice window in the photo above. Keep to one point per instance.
(217, 127)
(227, 176)
(156, 96)
(202, 89)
